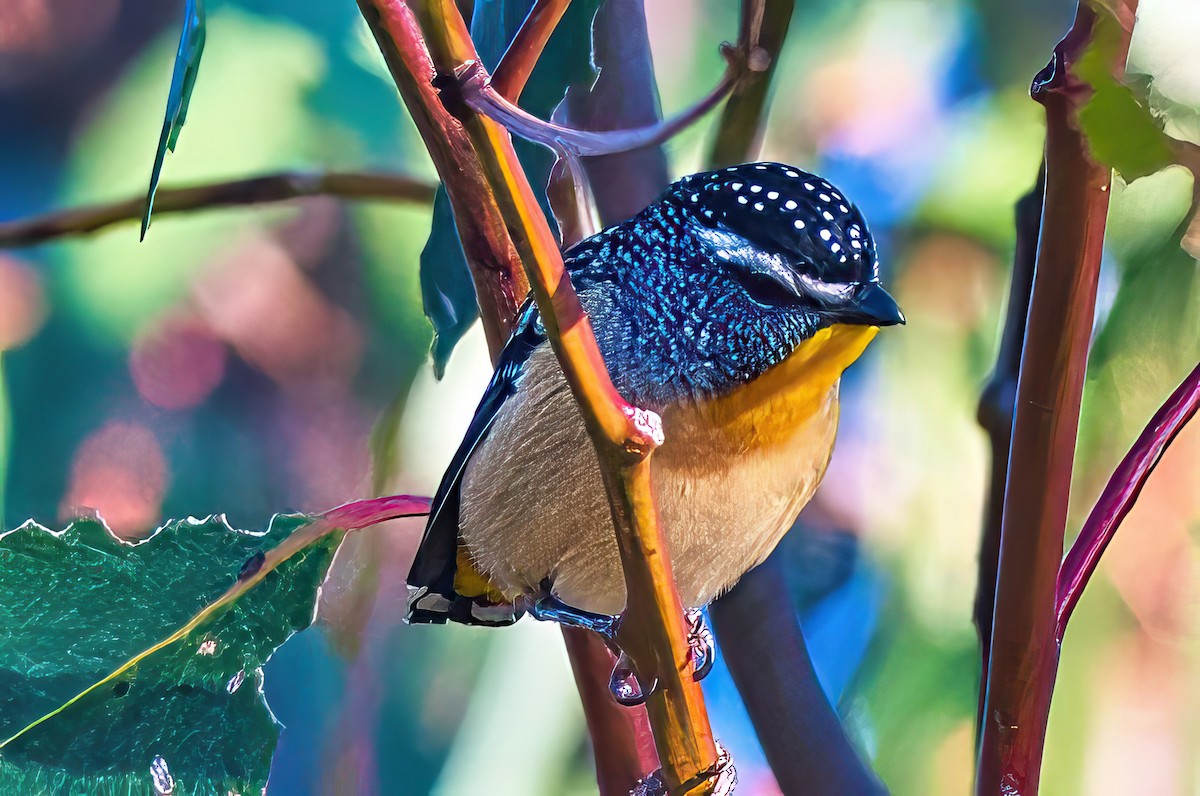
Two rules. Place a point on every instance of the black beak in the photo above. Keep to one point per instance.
(873, 306)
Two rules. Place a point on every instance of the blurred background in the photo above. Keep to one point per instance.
(270, 359)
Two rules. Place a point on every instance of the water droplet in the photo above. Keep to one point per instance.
(624, 684)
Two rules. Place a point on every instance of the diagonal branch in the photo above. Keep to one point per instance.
(652, 631)
(248, 191)
(517, 63)
(500, 282)
(1121, 493)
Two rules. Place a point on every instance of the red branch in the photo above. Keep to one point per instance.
(362, 513)
(1121, 493)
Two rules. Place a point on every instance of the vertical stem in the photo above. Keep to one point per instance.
(622, 742)
(996, 406)
(624, 96)
(1024, 650)
(743, 119)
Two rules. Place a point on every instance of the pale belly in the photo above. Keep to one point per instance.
(534, 508)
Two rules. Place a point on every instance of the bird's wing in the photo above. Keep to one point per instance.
(431, 581)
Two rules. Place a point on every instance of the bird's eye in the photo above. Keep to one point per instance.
(765, 289)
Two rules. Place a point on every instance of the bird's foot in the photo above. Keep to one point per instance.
(627, 687)
(703, 645)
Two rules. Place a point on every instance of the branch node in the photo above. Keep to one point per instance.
(648, 431)
(719, 780)
(759, 60)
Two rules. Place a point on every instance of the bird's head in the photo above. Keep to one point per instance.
(789, 240)
(726, 275)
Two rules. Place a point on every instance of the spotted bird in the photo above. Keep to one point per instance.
(730, 306)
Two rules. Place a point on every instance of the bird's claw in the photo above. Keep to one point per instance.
(702, 644)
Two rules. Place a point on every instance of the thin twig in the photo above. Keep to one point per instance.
(652, 631)
(252, 190)
(516, 65)
(1121, 493)
(483, 98)
(1024, 649)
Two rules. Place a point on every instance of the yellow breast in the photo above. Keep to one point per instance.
(768, 410)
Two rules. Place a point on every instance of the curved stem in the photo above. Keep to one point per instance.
(1121, 493)
(482, 97)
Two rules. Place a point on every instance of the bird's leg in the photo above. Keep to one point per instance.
(545, 607)
(624, 684)
(702, 644)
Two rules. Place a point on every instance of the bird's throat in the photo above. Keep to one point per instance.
(792, 392)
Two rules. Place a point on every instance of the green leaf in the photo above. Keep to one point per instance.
(111, 283)
(183, 80)
(84, 712)
(1121, 131)
(446, 286)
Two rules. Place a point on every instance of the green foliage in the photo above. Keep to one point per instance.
(1121, 131)
(76, 606)
(183, 80)
(114, 284)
